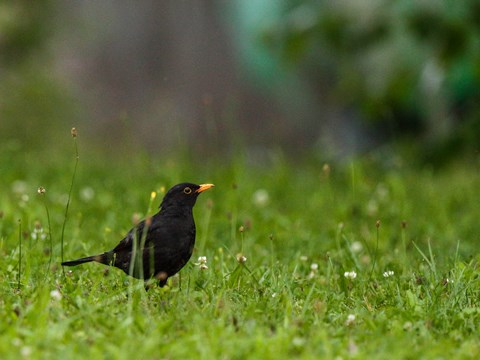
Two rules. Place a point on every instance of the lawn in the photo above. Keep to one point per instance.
(370, 258)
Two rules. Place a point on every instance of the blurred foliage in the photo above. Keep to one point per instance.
(23, 29)
(410, 67)
(32, 102)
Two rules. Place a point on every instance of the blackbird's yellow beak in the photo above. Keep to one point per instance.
(204, 187)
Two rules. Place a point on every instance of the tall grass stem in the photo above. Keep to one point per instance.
(19, 253)
(74, 134)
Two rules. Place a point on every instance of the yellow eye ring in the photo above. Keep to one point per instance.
(187, 191)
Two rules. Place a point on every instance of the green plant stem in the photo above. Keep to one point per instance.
(19, 253)
(68, 203)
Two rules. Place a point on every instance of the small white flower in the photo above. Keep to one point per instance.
(87, 193)
(313, 270)
(55, 295)
(19, 186)
(303, 258)
(38, 233)
(202, 263)
(26, 351)
(350, 319)
(350, 275)
(388, 273)
(261, 197)
(298, 341)
(356, 246)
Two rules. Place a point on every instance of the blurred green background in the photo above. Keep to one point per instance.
(328, 78)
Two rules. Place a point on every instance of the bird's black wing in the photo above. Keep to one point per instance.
(138, 233)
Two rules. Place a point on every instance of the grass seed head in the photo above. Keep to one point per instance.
(242, 259)
(326, 169)
(148, 221)
(135, 218)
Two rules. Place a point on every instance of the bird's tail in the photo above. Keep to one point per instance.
(102, 258)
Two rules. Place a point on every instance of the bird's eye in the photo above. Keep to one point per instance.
(187, 191)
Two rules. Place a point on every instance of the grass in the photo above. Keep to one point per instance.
(300, 226)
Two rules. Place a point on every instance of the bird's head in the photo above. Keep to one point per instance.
(184, 194)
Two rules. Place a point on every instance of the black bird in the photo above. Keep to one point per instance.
(161, 245)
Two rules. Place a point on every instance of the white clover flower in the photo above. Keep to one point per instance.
(313, 270)
(350, 275)
(26, 351)
(55, 295)
(19, 186)
(388, 273)
(38, 233)
(261, 197)
(356, 246)
(298, 341)
(87, 193)
(202, 263)
(350, 319)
